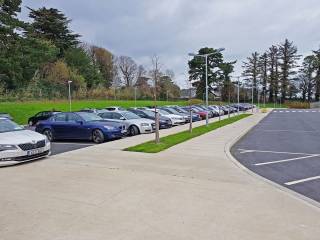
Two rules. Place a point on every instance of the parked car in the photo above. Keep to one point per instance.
(164, 122)
(80, 126)
(195, 117)
(6, 115)
(210, 112)
(40, 116)
(201, 113)
(186, 117)
(115, 108)
(90, 110)
(134, 124)
(18, 145)
(175, 119)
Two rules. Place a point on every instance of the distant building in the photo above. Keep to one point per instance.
(185, 93)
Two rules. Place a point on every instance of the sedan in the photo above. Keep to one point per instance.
(135, 124)
(40, 116)
(18, 145)
(164, 122)
(80, 126)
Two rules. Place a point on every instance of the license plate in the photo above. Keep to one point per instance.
(34, 152)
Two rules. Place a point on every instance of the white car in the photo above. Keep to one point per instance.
(175, 119)
(18, 145)
(134, 124)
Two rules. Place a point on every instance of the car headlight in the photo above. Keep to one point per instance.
(145, 125)
(6, 147)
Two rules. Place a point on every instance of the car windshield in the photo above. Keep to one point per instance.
(149, 113)
(130, 115)
(8, 126)
(89, 117)
(172, 110)
(163, 112)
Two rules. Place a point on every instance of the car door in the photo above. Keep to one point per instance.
(59, 125)
(76, 127)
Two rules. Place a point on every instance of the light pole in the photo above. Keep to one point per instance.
(69, 84)
(252, 95)
(205, 56)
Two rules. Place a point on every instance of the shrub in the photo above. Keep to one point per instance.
(298, 105)
(264, 110)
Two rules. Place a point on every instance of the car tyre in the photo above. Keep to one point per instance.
(133, 131)
(49, 134)
(97, 136)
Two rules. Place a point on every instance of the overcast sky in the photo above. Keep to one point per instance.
(173, 28)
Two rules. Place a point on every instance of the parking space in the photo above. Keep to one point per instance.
(62, 147)
(285, 148)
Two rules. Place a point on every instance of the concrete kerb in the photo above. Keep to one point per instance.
(287, 191)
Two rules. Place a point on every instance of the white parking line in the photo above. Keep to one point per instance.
(286, 160)
(262, 151)
(302, 181)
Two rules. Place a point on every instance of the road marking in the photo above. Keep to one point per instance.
(280, 130)
(302, 181)
(286, 160)
(262, 151)
(287, 111)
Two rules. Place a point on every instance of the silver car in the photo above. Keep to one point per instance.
(134, 124)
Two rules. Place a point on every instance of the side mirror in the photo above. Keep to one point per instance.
(80, 122)
(122, 118)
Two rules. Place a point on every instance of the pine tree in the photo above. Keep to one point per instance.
(51, 24)
(251, 72)
(288, 61)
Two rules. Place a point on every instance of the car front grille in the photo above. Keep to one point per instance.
(31, 146)
(28, 158)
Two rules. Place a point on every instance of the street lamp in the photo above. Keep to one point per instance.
(69, 84)
(206, 59)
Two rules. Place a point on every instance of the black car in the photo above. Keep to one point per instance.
(164, 122)
(41, 116)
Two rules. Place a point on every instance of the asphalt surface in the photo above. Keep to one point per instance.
(62, 147)
(285, 148)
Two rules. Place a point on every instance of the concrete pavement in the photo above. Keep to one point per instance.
(190, 191)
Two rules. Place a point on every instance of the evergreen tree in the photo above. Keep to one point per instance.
(288, 62)
(251, 72)
(197, 70)
(52, 25)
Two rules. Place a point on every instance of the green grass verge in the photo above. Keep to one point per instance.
(171, 140)
(21, 111)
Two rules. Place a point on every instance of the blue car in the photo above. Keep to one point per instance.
(80, 126)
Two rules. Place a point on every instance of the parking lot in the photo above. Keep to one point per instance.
(285, 148)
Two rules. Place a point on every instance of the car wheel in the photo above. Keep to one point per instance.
(49, 134)
(97, 136)
(133, 130)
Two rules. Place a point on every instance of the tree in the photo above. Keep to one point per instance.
(288, 61)
(263, 72)
(81, 63)
(103, 60)
(316, 66)
(251, 72)
(227, 69)
(52, 25)
(9, 22)
(197, 70)
(128, 69)
(306, 78)
(273, 68)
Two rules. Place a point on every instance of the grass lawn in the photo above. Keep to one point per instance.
(171, 140)
(21, 111)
